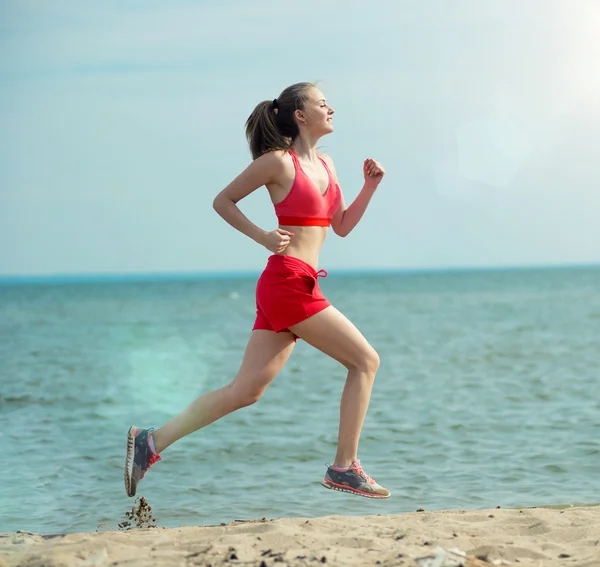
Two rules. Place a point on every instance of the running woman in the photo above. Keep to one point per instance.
(302, 183)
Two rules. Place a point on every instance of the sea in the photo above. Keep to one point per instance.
(488, 395)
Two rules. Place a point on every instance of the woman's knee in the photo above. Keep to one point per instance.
(241, 398)
(247, 399)
(373, 360)
(244, 395)
(367, 361)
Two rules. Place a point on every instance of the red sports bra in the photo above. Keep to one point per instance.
(304, 205)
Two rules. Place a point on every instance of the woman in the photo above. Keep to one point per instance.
(302, 184)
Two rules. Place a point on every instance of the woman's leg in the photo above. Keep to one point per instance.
(266, 354)
(332, 333)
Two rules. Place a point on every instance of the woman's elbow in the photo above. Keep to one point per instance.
(339, 231)
(337, 224)
(219, 202)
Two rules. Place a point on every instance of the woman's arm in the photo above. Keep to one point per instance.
(268, 168)
(346, 218)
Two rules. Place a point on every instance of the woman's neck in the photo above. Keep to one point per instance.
(305, 147)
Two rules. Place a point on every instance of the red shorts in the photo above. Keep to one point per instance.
(287, 293)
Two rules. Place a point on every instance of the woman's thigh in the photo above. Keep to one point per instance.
(333, 333)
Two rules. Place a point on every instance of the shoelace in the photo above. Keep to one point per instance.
(153, 458)
(360, 471)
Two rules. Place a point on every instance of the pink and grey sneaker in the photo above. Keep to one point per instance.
(353, 480)
(140, 457)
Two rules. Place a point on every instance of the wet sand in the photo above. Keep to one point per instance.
(529, 537)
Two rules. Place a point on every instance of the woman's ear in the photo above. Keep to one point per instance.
(300, 116)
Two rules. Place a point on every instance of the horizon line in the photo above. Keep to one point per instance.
(122, 277)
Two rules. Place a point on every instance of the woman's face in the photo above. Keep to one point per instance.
(317, 115)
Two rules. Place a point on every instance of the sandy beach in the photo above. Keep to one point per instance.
(528, 537)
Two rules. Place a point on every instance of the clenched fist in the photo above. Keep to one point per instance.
(374, 173)
(277, 240)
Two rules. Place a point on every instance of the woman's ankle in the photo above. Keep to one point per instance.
(156, 442)
(343, 462)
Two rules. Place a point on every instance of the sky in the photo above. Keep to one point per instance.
(121, 120)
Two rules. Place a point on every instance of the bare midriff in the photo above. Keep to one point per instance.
(306, 243)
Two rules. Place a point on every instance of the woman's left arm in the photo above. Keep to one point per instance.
(346, 218)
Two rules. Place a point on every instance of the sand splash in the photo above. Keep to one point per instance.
(140, 516)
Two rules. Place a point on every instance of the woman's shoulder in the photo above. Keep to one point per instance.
(275, 157)
(327, 159)
(273, 160)
(276, 165)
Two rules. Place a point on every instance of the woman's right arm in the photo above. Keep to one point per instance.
(266, 169)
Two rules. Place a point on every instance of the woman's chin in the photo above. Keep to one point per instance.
(328, 129)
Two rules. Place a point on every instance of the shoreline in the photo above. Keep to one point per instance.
(530, 536)
(13, 280)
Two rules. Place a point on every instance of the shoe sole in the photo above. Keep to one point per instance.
(130, 488)
(331, 486)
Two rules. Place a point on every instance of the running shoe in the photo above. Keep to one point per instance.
(354, 480)
(139, 459)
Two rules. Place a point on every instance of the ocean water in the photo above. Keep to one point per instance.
(487, 396)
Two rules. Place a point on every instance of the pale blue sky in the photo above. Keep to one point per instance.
(121, 120)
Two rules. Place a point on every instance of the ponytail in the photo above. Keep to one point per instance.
(262, 132)
(272, 125)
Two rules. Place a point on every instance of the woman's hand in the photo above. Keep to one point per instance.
(277, 240)
(374, 173)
